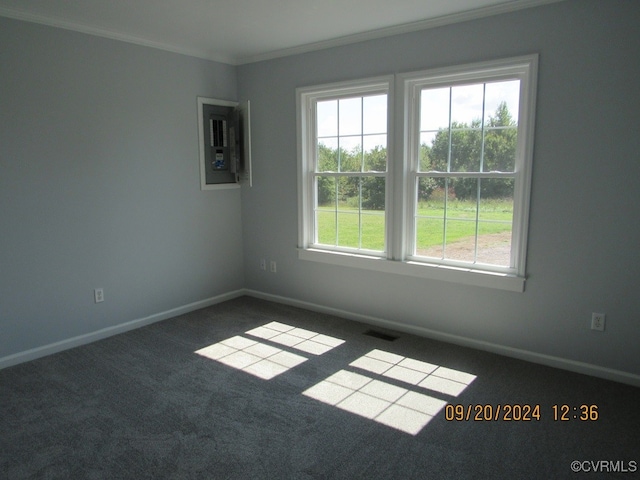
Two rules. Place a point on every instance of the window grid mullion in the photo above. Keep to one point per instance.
(475, 249)
(339, 139)
(359, 212)
(335, 216)
(484, 97)
(446, 182)
(479, 182)
(362, 134)
(444, 218)
(467, 174)
(450, 130)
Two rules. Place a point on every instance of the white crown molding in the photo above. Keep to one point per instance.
(336, 42)
(110, 34)
(400, 29)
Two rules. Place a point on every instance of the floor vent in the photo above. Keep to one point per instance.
(380, 335)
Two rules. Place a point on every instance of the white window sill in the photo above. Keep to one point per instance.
(464, 276)
(219, 186)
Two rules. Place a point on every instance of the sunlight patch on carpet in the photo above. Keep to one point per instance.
(404, 409)
(304, 340)
(266, 361)
(426, 375)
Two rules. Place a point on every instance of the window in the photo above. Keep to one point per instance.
(450, 202)
(345, 167)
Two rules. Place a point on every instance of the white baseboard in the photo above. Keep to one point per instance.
(549, 360)
(51, 348)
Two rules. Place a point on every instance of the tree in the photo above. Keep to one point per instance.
(327, 162)
(373, 188)
(462, 145)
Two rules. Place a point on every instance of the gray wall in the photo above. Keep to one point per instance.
(99, 186)
(584, 232)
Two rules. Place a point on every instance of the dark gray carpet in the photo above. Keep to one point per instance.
(144, 405)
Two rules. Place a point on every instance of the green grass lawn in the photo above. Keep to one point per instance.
(495, 216)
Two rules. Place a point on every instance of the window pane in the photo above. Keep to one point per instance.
(326, 210)
(348, 229)
(495, 222)
(434, 109)
(434, 129)
(460, 240)
(496, 199)
(349, 212)
(375, 153)
(327, 118)
(373, 213)
(466, 105)
(373, 228)
(429, 235)
(373, 193)
(464, 190)
(502, 92)
(460, 219)
(500, 149)
(326, 192)
(326, 227)
(327, 155)
(350, 114)
(434, 151)
(348, 193)
(430, 215)
(351, 154)
(374, 115)
(466, 150)
(430, 189)
(493, 248)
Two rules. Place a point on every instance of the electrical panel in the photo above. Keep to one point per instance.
(225, 143)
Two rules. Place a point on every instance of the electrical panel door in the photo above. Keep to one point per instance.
(219, 144)
(225, 143)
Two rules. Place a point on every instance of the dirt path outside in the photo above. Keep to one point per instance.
(493, 248)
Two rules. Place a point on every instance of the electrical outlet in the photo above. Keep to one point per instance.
(98, 295)
(597, 321)
(273, 266)
(263, 264)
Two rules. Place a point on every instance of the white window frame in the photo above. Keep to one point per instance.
(509, 69)
(402, 163)
(307, 99)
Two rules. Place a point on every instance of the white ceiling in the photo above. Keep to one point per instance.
(243, 31)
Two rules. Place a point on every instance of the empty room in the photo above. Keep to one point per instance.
(306, 239)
